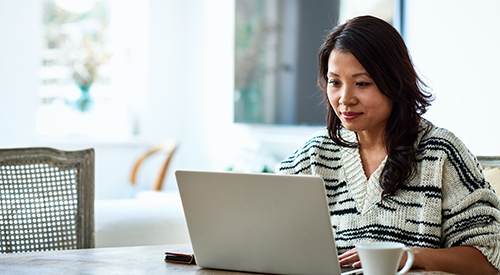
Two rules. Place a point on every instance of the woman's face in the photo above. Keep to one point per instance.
(355, 97)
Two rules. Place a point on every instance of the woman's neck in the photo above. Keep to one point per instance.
(372, 151)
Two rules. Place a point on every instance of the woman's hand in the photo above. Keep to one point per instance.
(350, 258)
(456, 260)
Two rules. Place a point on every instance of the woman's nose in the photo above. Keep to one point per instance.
(347, 96)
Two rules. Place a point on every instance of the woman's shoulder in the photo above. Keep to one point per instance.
(320, 140)
(318, 146)
(441, 143)
(432, 136)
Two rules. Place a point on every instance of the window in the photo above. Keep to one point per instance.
(93, 78)
(276, 50)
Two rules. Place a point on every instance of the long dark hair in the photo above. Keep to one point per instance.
(382, 52)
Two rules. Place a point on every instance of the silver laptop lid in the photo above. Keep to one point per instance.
(264, 223)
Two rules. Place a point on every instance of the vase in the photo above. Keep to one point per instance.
(84, 102)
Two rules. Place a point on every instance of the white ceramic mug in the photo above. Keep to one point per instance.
(383, 258)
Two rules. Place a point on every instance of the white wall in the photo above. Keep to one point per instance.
(455, 45)
(19, 61)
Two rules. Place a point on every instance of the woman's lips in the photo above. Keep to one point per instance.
(350, 115)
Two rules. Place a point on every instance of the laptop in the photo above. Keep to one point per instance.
(263, 223)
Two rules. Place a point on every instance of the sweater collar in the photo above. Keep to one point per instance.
(366, 192)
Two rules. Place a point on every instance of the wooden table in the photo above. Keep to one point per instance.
(116, 260)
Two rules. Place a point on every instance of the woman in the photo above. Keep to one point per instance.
(391, 175)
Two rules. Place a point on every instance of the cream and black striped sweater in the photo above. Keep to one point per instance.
(448, 202)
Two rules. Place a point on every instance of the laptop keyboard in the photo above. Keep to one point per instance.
(350, 270)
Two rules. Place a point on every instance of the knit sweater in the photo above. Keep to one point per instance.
(447, 203)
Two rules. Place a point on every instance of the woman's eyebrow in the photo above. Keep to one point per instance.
(354, 75)
(361, 74)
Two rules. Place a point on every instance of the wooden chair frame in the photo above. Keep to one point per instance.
(489, 161)
(167, 147)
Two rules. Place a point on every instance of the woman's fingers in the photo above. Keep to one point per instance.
(350, 258)
(348, 253)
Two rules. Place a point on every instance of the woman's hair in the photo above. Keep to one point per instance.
(382, 52)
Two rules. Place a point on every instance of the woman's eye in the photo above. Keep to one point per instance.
(333, 83)
(363, 84)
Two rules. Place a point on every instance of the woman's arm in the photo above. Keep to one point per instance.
(457, 260)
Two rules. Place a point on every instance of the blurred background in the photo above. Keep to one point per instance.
(233, 81)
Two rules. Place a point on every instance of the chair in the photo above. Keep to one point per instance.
(46, 199)
(168, 147)
(491, 170)
(146, 216)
